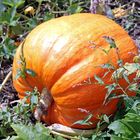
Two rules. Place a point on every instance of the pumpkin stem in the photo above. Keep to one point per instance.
(43, 104)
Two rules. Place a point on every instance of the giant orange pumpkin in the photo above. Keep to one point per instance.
(65, 53)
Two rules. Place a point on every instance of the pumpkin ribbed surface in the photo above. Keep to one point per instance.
(62, 53)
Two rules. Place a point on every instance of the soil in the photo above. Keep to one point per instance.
(8, 92)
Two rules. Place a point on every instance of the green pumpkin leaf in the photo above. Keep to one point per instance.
(9, 17)
(120, 128)
(15, 138)
(37, 132)
(113, 137)
(2, 7)
(13, 3)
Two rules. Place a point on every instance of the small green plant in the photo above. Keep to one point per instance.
(9, 19)
(21, 113)
(125, 124)
(126, 127)
(23, 71)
